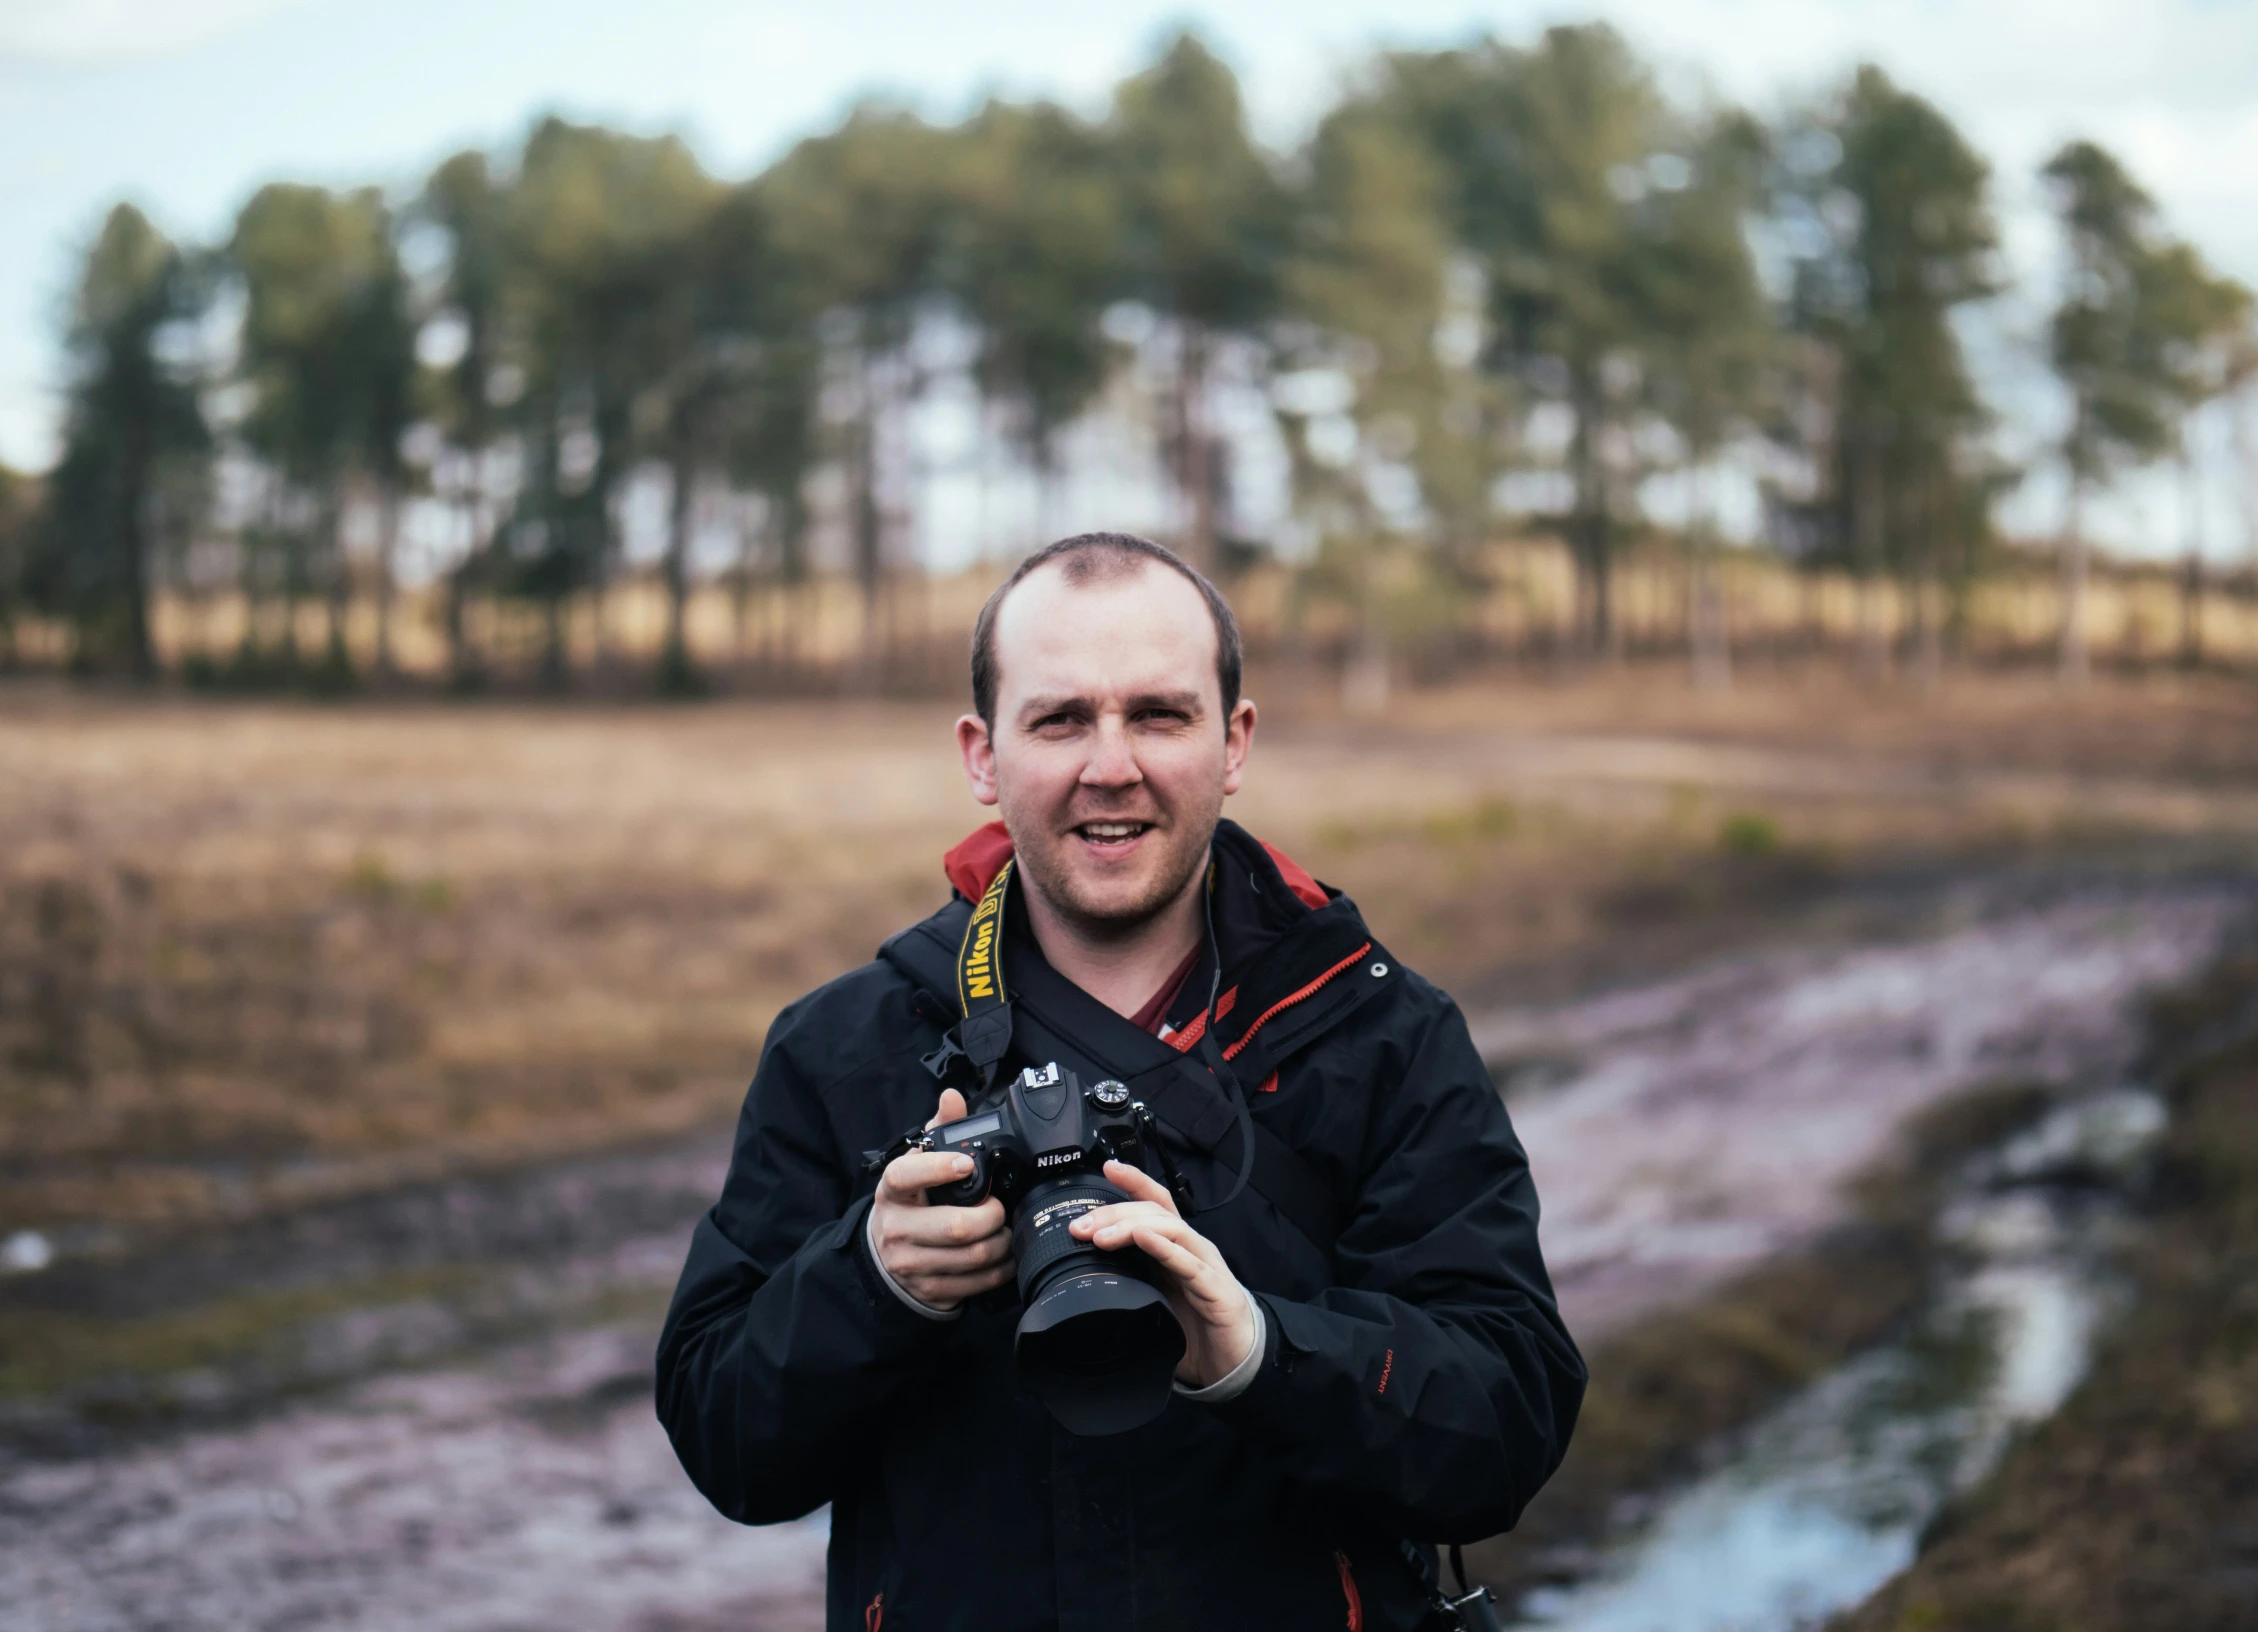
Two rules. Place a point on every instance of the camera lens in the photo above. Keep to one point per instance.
(1097, 1343)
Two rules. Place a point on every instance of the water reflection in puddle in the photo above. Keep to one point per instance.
(1825, 1500)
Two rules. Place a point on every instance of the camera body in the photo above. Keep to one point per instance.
(1096, 1343)
(1044, 1126)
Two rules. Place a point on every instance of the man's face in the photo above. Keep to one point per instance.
(1110, 756)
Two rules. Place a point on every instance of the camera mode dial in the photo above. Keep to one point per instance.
(1110, 1094)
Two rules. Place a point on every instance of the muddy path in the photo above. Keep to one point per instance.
(1685, 1128)
(444, 1421)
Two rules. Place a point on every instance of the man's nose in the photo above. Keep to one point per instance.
(1111, 764)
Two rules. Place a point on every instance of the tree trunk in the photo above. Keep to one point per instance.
(788, 517)
(1873, 642)
(869, 537)
(2191, 611)
(2071, 650)
(1587, 522)
(554, 666)
(2246, 481)
(1046, 493)
(2191, 568)
(251, 580)
(1195, 463)
(462, 659)
(1924, 654)
(984, 440)
(387, 548)
(458, 637)
(741, 588)
(1928, 593)
(613, 442)
(1365, 677)
(133, 501)
(675, 671)
(337, 594)
(1712, 649)
(293, 590)
(1924, 585)
(2246, 472)
(297, 578)
(1709, 637)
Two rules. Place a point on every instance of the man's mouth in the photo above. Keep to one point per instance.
(1111, 835)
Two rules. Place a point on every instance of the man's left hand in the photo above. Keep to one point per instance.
(1209, 1303)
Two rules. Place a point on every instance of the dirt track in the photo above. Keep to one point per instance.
(1710, 1121)
(1681, 1128)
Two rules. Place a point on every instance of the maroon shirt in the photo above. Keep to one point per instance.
(1155, 1012)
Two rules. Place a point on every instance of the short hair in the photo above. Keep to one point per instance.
(1094, 557)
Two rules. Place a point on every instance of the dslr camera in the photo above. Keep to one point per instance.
(1097, 1343)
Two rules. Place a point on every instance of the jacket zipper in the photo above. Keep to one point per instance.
(1290, 999)
(875, 1616)
(1348, 1590)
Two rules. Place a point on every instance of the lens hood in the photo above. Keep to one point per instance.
(1097, 1343)
(1099, 1347)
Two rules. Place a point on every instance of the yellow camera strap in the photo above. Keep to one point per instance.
(986, 1031)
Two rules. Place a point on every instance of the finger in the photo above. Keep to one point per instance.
(1090, 1223)
(991, 1274)
(945, 1226)
(909, 1176)
(1141, 1185)
(1181, 1237)
(1204, 1283)
(951, 1108)
(915, 1258)
(943, 1290)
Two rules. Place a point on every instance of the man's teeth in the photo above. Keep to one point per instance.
(1112, 830)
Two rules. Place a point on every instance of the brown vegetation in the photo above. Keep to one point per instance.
(253, 954)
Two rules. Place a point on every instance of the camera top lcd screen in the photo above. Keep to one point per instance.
(974, 1128)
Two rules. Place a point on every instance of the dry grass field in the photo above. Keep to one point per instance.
(252, 953)
(266, 966)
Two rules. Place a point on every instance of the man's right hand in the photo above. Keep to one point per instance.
(938, 1255)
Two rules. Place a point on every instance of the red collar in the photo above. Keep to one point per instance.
(973, 865)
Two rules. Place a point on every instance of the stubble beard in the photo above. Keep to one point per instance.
(1050, 875)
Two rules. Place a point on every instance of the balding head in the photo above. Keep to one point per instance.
(1093, 558)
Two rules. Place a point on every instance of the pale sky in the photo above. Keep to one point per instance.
(185, 106)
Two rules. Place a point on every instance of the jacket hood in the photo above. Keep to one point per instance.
(973, 863)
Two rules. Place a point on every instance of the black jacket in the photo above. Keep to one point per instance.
(1417, 1383)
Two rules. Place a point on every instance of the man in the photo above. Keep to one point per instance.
(1373, 1362)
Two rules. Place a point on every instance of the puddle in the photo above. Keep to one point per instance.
(1823, 1501)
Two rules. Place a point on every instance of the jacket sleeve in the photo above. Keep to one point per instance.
(1435, 1387)
(783, 1344)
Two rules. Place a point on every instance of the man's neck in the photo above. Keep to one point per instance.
(1121, 971)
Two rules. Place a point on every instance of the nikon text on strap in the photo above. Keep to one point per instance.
(986, 1005)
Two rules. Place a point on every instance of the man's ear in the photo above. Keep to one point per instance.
(1238, 742)
(979, 751)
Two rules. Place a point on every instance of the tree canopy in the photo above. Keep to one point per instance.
(1492, 270)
